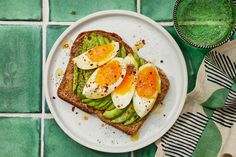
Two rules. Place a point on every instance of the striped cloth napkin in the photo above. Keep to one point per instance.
(206, 126)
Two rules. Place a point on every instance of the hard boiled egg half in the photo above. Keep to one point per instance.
(123, 94)
(97, 56)
(146, 90)
(105, 79)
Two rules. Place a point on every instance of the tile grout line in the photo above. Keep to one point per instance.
(138, 6)
(61, 23)
(45, 10)
(20, 22)
(132, 154)
(27, 115)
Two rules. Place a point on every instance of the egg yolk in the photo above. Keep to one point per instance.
(109, 73)
(100, 53)
(127, 82)
(147, 82)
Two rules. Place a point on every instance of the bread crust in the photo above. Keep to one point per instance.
(65, 91)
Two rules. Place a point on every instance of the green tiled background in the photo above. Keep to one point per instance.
(25, 10)
(72, 10)
(158, 10)
(20, 68)
(56, 141)
(20, 137)
(22, 54)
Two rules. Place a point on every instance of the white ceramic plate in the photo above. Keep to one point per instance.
(159, 46)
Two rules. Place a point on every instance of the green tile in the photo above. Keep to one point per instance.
(234, 36)
(193, 57)
(159, 10)
(72, 10)
(21, 10)
(56, 141)
(47, 110)
(20, 68)
(53, 32)
(148, 151)
(20, 137)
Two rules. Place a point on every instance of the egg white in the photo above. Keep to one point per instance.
(83, 62)
(121, 101)
(143, 105)
(93, 90)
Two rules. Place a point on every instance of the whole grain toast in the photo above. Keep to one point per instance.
(65, 91)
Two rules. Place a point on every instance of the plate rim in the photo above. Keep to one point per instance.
(97, 15)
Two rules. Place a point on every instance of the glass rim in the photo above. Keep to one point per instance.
(183, 37)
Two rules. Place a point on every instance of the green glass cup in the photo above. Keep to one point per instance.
(205, 23)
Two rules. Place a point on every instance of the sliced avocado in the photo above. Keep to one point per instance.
(101, 40)
(142, 61)
(93, 103)
(81, 84)
(85, 45)
(83, 77)
(107, 105)
(113, 113)
(132, 119)
(136, 58)
(125, 116)
(111, 107)
(118, 53)
(87, 100)
(90, 45)
(123, 51)
(106, 40)
(87, 74)
(102, 104)
(75, 78)
(94, 40)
